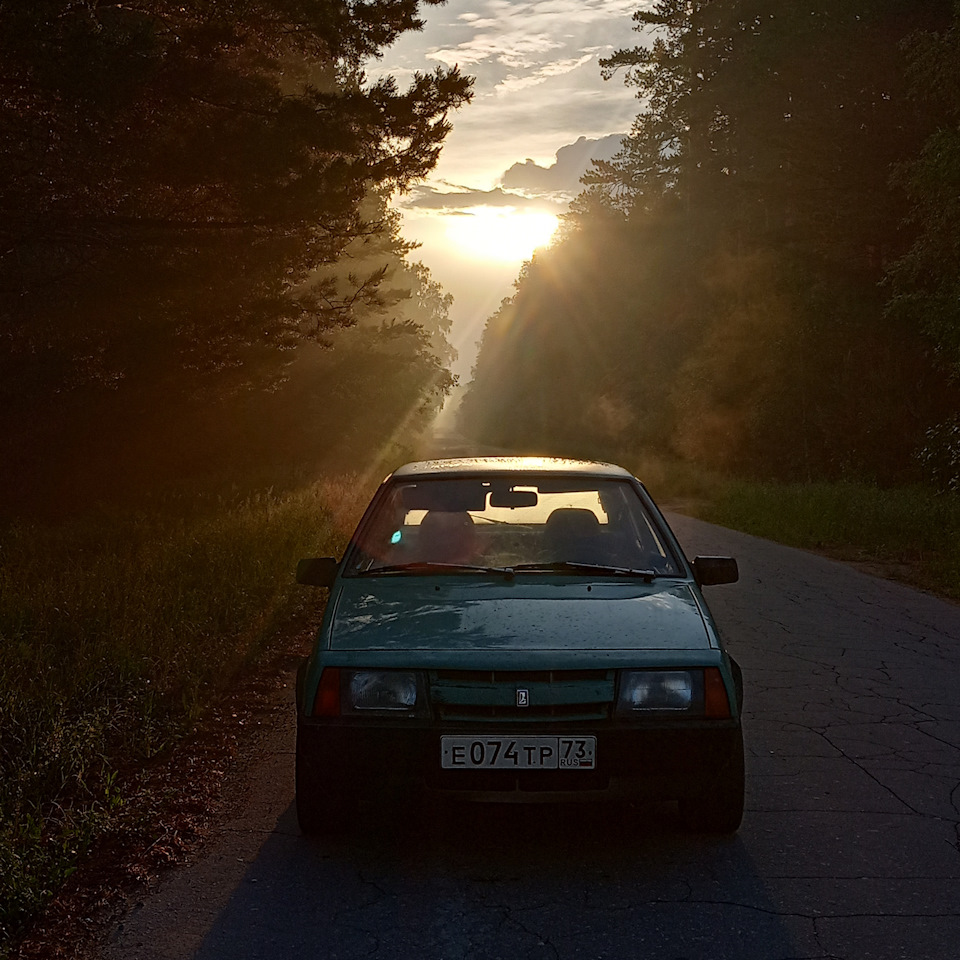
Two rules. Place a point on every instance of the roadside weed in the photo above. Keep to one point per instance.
(116, 632)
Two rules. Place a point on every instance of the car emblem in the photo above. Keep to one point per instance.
(523, 698)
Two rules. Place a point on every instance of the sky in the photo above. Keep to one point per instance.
(513, 160)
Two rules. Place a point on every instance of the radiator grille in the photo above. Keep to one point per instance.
(552, 695)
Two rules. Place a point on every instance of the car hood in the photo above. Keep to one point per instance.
(454, 614)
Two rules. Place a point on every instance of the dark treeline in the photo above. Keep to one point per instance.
(766, 279)
(193, 212)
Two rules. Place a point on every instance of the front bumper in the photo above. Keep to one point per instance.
(655, 761)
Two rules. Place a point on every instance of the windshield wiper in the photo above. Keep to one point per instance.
(647, 575)
(429, 566)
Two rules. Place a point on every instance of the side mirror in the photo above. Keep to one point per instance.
(712, 570)
(317, 571)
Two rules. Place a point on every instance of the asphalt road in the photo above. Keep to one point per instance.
(850, 846)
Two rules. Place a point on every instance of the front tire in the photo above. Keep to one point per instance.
(322, 808)
(718, 808)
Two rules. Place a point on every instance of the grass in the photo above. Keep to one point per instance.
(908, 533)
(115, 634)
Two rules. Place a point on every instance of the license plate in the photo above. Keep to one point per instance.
(518, 753)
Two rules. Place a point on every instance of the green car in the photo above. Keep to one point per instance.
(518, 629)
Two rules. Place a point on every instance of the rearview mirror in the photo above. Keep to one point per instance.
(317, 571)
(513, 498)
(712, 570)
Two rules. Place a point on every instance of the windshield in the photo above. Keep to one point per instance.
(496, 522)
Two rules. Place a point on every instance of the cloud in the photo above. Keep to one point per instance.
(528, 35)
(521, 51)
(524, 186)
(563, 176)
(555, 68)
(537, 79)
(454, 200)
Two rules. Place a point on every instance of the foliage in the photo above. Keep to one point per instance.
(347, 403)
(775, 122)
(577, 361)
(715, 294)
(925, 281)
(116, 633)
(173, 178)
(940, 455)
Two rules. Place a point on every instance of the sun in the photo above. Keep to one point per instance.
(504, 233)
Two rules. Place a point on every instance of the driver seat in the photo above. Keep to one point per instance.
(573, 534)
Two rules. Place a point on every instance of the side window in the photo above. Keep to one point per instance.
(638, 543)
(377, 540)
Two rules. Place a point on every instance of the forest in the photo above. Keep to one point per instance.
(201, 279)
(765, 281)
(212, 335)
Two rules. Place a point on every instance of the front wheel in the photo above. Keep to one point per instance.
(718, 808)
(322, 807)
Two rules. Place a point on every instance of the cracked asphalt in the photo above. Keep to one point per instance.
(849, 849)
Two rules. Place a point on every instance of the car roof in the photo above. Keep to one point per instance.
(474, 466)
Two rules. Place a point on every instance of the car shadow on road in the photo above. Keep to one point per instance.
(455, 880)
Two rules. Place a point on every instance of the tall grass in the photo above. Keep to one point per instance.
(912, 530)
(911, 533)
(115, 633)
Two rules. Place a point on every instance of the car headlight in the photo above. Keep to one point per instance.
(660, 691)
(385, 692)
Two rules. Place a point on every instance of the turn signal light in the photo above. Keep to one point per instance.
(327, 701)
(716, 703)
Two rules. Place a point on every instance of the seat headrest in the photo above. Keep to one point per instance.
(574, 522)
